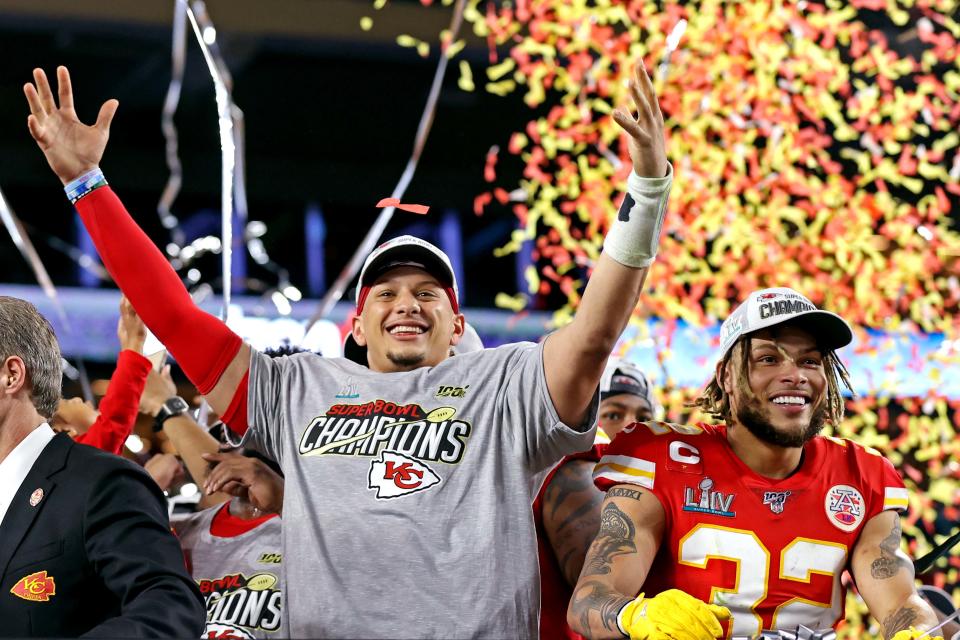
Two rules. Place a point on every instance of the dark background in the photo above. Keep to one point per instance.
(331, 114)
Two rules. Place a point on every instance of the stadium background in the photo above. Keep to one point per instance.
(815, 146)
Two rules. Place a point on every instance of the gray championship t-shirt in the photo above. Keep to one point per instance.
(407, 499)
(238, 576)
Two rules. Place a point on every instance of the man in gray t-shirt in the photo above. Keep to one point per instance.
(409, 481)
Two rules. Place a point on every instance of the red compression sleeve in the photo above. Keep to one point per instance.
(202, 345)
(235, 416)
(120, 405)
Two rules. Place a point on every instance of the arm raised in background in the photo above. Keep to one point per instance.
(190, 440)
(213, 357)
(118, 407)
(617, 279)
(885, 579)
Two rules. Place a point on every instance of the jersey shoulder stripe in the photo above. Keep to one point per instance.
(896, 498)
(618, 469)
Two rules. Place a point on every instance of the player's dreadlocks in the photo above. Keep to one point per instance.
(715, 401)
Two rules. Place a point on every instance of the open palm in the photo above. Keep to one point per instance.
(71, 147)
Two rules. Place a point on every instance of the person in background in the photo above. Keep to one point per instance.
(85, 542)
(567, 509)
(109, 428)
(232, 544)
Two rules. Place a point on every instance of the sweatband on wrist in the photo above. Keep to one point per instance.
(633, 237)
(85, 184)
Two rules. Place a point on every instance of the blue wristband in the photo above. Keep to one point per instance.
(85, 184)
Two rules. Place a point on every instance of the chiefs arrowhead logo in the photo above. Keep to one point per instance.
(394, 475)
(36, 587)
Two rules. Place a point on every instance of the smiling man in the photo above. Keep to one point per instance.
(750, 524)
(409, 481)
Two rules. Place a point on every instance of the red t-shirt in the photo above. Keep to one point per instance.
(555, 593)
(120, 405)
(772, 551)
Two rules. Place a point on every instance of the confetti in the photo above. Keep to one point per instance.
(421, 209)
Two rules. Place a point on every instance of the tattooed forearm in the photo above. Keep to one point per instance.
(621, 492)
(615, 538)
(890, 561)
(593, 595)
(899, 620)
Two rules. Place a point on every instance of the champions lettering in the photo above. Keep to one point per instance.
(235, 600)
(780, 307)
(369, 428)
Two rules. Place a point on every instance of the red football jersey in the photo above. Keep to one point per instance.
(772, 551)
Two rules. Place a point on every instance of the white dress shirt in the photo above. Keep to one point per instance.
(16, 466)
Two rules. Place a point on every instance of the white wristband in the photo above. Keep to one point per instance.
(633, 237)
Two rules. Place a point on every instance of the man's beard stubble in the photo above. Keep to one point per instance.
(758, 423)
(405, 360)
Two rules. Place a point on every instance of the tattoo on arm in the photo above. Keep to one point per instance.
(899, 620)
(890, 561)
(593, 595)
(615, 538)
(571, 516)
(622, 492)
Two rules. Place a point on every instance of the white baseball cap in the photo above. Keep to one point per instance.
(771, 307)
(408, 251)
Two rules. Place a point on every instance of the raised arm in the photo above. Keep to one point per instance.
(118, 408)
(189, 439)
(617, 279)
(211, 355)
(885, 579)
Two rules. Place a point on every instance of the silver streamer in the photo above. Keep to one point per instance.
(175, 180)
(336, 291)
(197, 12)
(25, 247)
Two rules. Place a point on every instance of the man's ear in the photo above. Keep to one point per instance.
(13, 375)
(357, 330)
(459, 326)
(725, 375)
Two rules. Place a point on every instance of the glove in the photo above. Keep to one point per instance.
(672, 615)
(912, 634)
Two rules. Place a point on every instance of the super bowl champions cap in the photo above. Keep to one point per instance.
(409, 251)
(771, 307)
(621, 376)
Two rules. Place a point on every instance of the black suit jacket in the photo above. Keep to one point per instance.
(101, 534)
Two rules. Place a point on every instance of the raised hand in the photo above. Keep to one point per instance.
(71, 147)
(130, 328)
(647, 147)
(158, 389)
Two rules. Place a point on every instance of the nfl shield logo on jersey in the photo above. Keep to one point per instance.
(844, 506)
(776, 500)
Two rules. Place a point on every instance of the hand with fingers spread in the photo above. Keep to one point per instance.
(71, 147)
(647, 147)
(246, 478)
